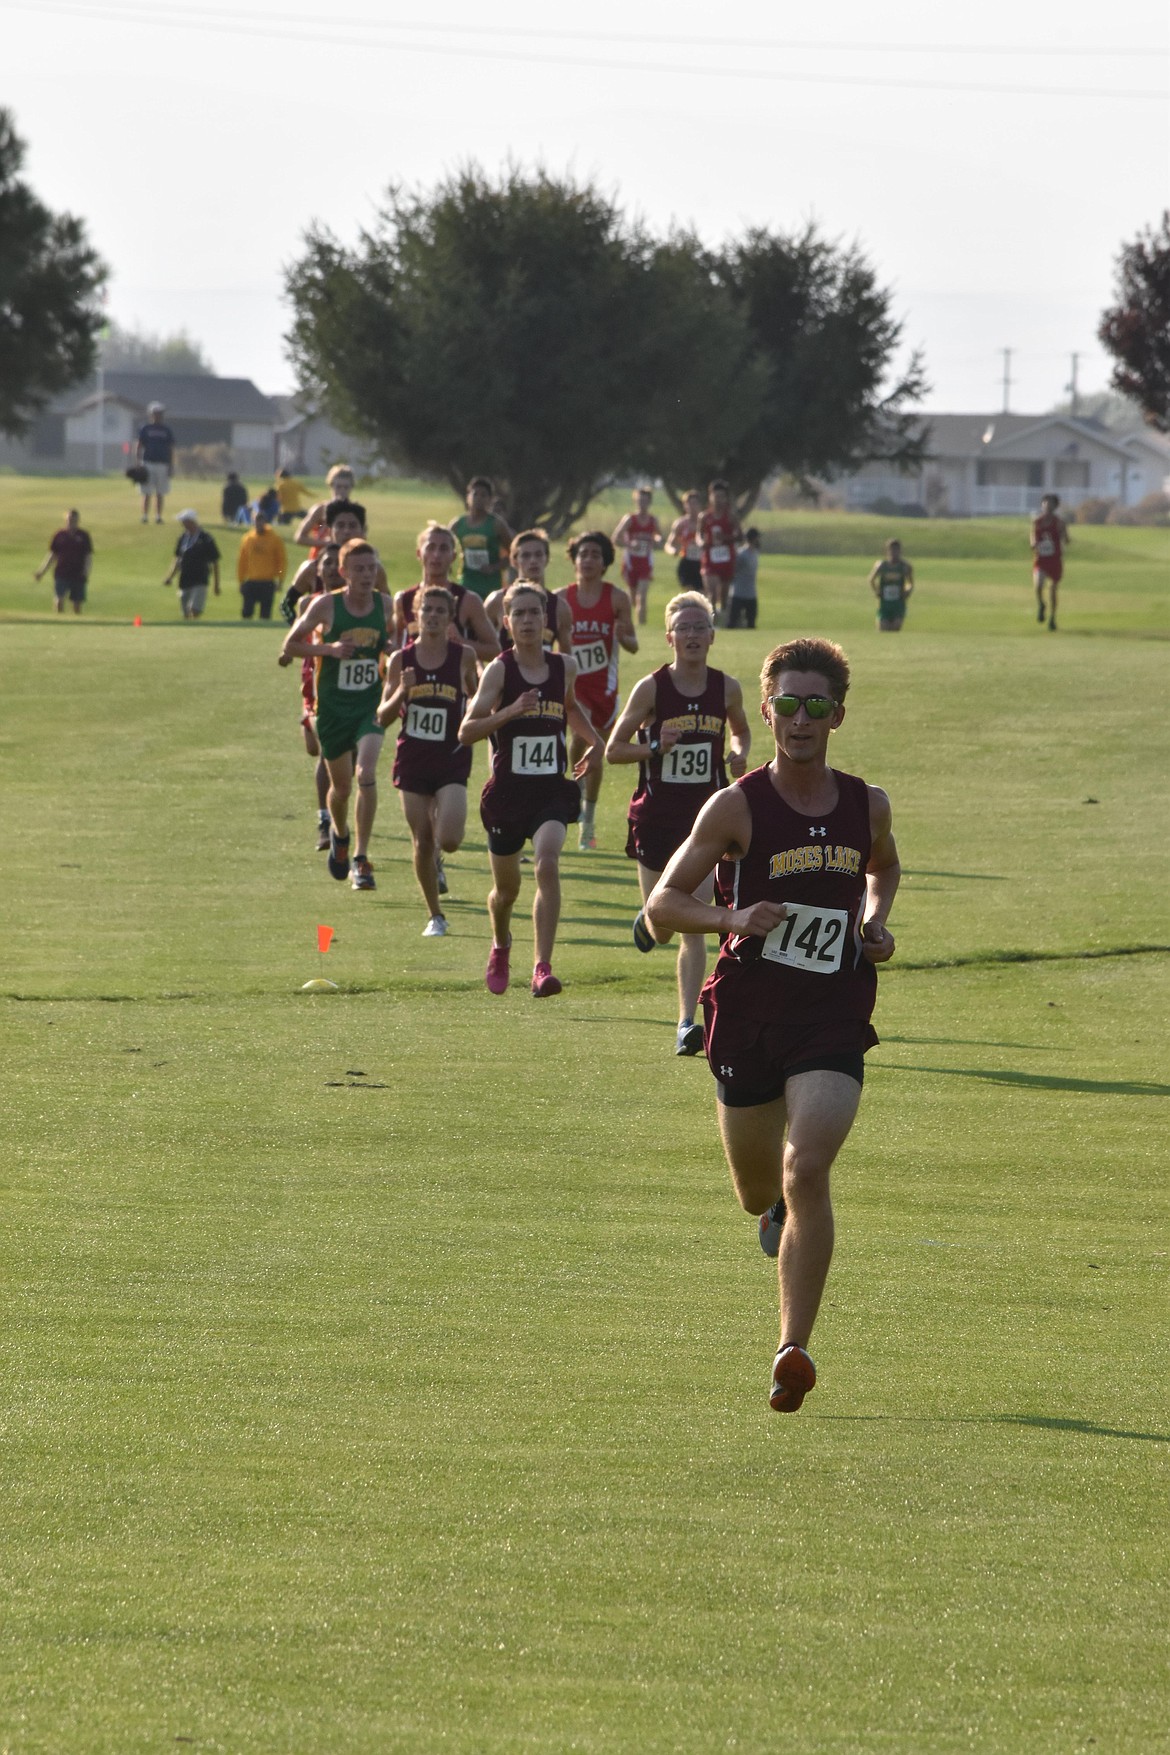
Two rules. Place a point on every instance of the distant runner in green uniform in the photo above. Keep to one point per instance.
(484, 537)
(891, 582)
(356, 627)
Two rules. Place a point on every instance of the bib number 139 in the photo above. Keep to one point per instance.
(687, 764)
(810, 939)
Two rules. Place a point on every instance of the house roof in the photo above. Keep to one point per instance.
(981, 435)
(184, 395)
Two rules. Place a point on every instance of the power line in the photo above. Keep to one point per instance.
(311, 32)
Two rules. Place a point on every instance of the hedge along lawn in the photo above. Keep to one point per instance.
(388, 1371)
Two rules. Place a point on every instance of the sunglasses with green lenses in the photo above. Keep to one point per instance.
(816, 706)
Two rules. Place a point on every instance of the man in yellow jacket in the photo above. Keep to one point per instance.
(260, 568)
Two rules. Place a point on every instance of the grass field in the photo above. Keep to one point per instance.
(387, 1371)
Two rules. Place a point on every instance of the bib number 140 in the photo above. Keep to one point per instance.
(810, 939)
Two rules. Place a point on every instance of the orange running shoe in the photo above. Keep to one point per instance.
(793, 1375)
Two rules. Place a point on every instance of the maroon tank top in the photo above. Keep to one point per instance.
(528, 753)
(405, 602)
(432, 714)
(811, 967)
(673, 784)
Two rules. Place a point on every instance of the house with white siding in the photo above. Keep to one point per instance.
(980, 465)
(95, 425)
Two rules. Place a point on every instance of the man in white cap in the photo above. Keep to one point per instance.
(196, 559)
(156, 454)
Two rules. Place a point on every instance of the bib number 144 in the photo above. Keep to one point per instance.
(810, 938)
(535, 756)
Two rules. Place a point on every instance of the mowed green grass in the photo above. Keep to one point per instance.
(387, 1371)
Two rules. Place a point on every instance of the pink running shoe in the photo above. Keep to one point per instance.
(793, 1375)
(544, 982)
(496, 973)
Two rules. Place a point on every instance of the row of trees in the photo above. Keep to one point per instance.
(526, 328)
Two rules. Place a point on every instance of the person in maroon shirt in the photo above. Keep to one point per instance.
(71, 557)
(806, 871)
(674, 725)
(526, 705)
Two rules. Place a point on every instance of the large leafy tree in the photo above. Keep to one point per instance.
(503, 327)
(138, 350)
(1136, 330)
(822, 338)
(49, 282)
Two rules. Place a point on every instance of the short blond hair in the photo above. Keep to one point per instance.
(689, 600)
(434, 528)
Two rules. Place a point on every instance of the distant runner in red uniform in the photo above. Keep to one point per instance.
(313, 577)
(1050, 538)
(429, 683)
(719, 531)
(674, 725)
(638, 535)
(602, 621)
(684, 543)
(530, 554)
(523, 704)
(805, 876)
(435, 549)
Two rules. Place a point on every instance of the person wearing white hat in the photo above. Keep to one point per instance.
(156, 454)
(196, 560)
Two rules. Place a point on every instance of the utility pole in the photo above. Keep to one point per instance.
(1007, 379)
(1071, 386)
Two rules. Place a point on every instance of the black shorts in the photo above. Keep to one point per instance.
(73, 589)
(509, 836)
(853, 1064)
(654, 846)
(690, 574)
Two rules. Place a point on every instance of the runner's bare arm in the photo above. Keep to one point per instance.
(579, 721)
(564, 623)
(397, 686)
(505, 537)
(493, 606)
(469, 672)
(619, 536)
(873, 579)
(299, 642)
(310, 523)
(722, 828)
(883, 873)
(482, 717)
(624, 621)
(638, 711)
(480, 632)
(741, 731)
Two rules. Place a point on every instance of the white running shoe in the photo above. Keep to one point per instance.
(436, 927)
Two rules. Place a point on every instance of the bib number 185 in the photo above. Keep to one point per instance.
(357, 673)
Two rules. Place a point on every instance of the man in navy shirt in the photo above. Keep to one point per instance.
(156, 454)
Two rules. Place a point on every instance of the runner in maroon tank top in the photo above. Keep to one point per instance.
(524, 703)
(530, 554)
(807, 874)
(674, 726)
(1050, 538)
(436, 552)
(428, 683)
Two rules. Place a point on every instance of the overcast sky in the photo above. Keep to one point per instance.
(989, 160)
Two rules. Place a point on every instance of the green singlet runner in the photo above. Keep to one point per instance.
(891, 577)
(349, 689)
(480, 543)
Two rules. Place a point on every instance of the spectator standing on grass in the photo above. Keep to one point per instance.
(155, 452)
(743, 604)
(234, 502)
(70, 556)
(196, 561)
(260, 568)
